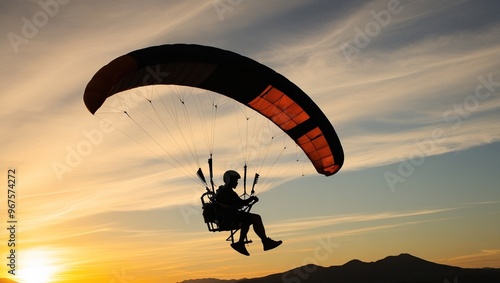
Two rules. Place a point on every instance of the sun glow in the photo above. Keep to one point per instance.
(37, 266)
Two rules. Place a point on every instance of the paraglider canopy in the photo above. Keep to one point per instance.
(234, 76)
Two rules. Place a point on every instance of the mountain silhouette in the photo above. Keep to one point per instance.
(403, 268)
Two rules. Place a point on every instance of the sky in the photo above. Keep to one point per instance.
(411, 87)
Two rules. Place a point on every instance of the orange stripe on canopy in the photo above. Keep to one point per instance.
(317, 149)
(279, 108)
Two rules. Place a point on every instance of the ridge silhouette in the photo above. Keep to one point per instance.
(404, 268)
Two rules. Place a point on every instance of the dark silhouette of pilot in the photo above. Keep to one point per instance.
(230, 204)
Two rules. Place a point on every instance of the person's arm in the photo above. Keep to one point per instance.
(243, 202)
(236, 201)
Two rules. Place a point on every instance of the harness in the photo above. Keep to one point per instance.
(215, 214)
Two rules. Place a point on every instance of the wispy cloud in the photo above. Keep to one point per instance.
(481, 259)
(305, 224)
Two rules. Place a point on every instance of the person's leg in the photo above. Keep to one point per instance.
(258, 226)
(246, 220)
(244, 231)
(255, 220)
(239, 246)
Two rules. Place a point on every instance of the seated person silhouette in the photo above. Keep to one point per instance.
(230, 204)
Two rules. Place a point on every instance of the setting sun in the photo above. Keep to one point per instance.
(37, 266)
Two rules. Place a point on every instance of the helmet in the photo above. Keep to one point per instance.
(229, 175)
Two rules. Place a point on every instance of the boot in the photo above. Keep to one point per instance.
(240, 247)
(270, 244)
